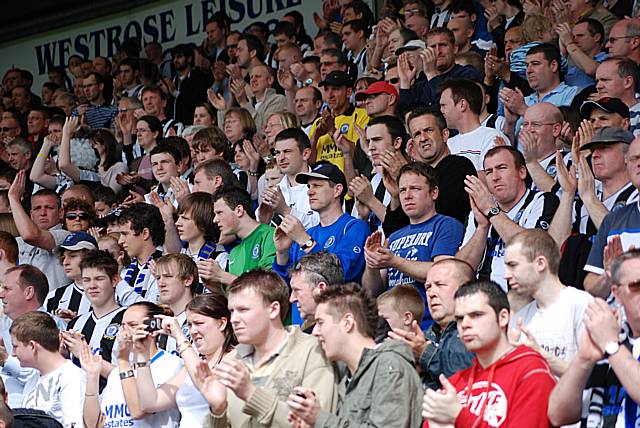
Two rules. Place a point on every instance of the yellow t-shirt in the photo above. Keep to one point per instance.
(326, 149)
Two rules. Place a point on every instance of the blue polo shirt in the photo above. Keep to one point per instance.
(577, 77)
(561, 95)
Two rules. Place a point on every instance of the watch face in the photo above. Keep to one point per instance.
(495, 211)
(611, 348)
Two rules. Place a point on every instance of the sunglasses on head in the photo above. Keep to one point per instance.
(73, 216)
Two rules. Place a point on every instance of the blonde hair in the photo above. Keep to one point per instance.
(534, 26)
(287, 119)
(404, 298)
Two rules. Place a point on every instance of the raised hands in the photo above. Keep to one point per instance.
(71, 125)
(238, 87)
(211, 388)
(361, 189)
(180, 188)
(376, 254)
(406, 72)
(216, 100)
(513, 100)
(90, 362)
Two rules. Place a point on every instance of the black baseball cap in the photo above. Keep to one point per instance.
(337, 78)
(324, 171)
(608, 104)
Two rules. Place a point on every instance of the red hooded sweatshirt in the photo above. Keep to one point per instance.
(511, 393)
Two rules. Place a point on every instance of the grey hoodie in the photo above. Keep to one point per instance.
(385, 391)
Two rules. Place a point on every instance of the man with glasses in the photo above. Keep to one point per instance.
(612, 384)
(380, 99)
(624, 40)
(332, 60)
(416, 17)
(98, 113)
(391, 76)
(541, 127)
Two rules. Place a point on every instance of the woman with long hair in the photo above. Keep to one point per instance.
(210, 329)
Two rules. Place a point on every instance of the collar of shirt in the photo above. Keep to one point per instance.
(562, 87)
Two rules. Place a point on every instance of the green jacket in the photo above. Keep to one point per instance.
(385, 391)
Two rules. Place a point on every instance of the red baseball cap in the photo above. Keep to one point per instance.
(375, 89)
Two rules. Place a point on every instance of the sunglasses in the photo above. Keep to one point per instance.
(394, 81)
(73, 216)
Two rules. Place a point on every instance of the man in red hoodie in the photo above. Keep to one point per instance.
(507, 385)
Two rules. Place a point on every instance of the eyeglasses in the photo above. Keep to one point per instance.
(411, 12)
(7, 129)
(394, 81)
(372, 96)
(536, 125)
(613, 39)
(140, 131)
(73, 216)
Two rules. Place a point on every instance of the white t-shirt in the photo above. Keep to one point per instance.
(46, 261)
(115, 410)
(297, 199)
(474, 145)
(60, 394)
(557, 328)
(193, 407)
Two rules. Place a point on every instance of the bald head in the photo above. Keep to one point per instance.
(624, 39)
(459, 270)
(544, 122)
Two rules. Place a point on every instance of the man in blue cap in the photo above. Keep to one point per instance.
(70, 301)
(338, 233)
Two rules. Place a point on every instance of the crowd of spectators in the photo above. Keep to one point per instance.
(427, 216)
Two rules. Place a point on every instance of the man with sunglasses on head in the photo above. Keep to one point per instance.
(606, 364)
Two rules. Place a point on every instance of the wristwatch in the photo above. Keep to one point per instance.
(494, 211)
(308, 244)
(611, 348)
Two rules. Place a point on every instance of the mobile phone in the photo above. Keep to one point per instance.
(277, 217)
(153, 324)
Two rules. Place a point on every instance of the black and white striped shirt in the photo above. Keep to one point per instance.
(70, 297)
(100, 333)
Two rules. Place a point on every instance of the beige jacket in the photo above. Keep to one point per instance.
(301, 363)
